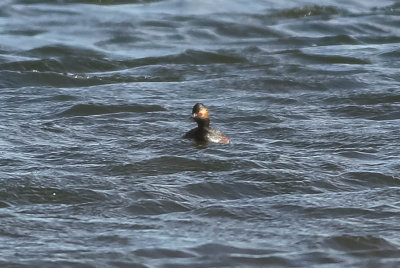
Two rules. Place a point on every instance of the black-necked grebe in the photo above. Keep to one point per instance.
(203, 132)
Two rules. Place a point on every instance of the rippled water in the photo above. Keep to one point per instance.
(96, 95)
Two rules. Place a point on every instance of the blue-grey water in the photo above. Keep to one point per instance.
(96, 95)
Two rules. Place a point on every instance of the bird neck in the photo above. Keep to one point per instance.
(203, 123)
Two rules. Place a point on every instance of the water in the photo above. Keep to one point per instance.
(95, 98)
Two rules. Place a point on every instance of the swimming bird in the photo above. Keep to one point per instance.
(203, 132)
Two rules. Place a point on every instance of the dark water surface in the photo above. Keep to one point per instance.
(94, 99)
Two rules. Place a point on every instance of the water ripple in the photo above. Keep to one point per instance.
(96, 95)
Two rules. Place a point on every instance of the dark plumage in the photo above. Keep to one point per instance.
(203, 132)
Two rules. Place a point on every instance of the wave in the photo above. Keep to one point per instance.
(306, 41)
(215, 255)
(102, 2)
(63, 50)
(309, 11)
(21, 195)
(64, 65)
(98, 109)
(370, 179)
(228, 191)
(330, 59)
(16, 79)
(90, 60)
(305, 92)
(155, 207)
(194, 57)
(369, 112)
(372, 98)
(168, 165)
(163, 253)
(368, 245)
(60, 67)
